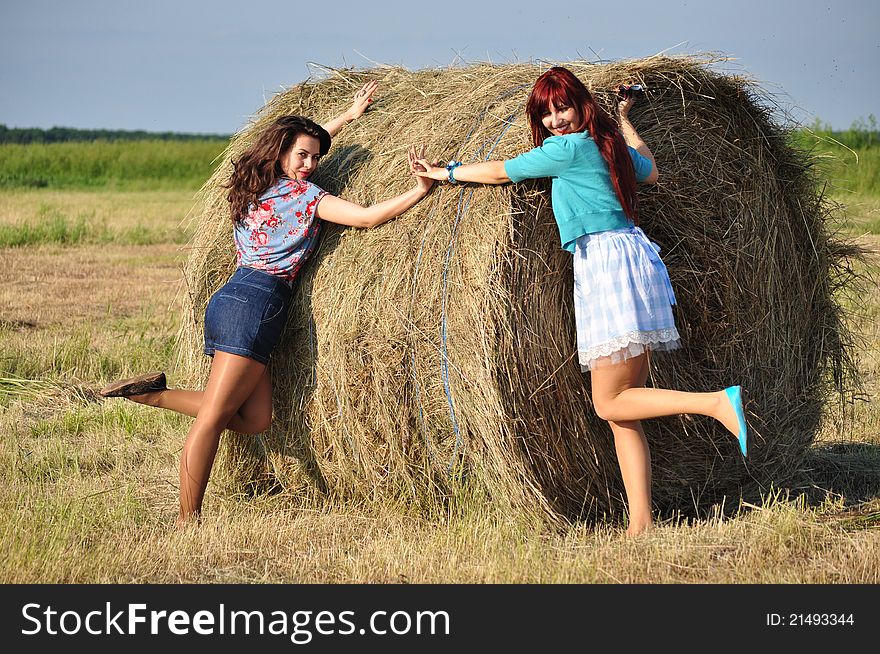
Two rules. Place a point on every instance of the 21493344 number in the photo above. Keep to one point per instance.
(810, 619)
(820, 619)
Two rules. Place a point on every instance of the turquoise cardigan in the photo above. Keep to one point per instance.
(584, 201)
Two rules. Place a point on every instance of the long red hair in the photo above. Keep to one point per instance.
(561, 87)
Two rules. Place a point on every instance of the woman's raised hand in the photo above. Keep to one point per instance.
(625, 101)
(624, 106)
(362, 99)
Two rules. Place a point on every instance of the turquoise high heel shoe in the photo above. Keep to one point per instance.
(734, 394)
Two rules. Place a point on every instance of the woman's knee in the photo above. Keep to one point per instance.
(622, 426)
(255, 422)
(604, 407)
(259, 426)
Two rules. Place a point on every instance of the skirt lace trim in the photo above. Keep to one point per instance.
(628, 346)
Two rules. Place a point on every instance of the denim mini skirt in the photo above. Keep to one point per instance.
(247, 315)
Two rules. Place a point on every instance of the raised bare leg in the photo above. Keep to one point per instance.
(253, 416)
(621, 403)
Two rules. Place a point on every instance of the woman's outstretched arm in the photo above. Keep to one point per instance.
(484, 172)
(336, 210)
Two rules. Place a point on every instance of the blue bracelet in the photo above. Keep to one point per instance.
(451, 166)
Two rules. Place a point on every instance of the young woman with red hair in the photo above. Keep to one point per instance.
(623, 296)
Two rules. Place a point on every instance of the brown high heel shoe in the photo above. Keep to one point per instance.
(147, 383)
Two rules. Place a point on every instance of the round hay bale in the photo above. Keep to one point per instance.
(433, 358)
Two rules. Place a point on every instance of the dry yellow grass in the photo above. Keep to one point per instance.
(107, 282)
(117, 211)
(88, 488)
(110, 535)
(82, 311)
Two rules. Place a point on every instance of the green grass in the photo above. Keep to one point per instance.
(33, 217)
(53, 226)
(848, 169)
(84, 352)
(13, 387)
(119, 165)
(859, 214)
(847, 164)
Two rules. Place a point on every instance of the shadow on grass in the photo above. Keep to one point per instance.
(848, 470)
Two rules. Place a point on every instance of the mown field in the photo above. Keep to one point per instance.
(91, 248)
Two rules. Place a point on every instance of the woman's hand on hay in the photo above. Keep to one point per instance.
(362, 99)
(482, 172)
(342, 212)
(428, 170)
(417, 167)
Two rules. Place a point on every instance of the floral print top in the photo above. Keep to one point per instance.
(279, 233)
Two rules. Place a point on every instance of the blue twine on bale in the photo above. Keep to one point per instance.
(424, 423)
(444, 359)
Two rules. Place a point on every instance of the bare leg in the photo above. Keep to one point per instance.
(253, 416)
(619, 402)
(232, 381)
(633, 454)
(634, 458)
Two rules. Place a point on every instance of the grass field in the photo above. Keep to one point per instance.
(127, 165)
(91, 292)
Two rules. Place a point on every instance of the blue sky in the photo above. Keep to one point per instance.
(206, 66)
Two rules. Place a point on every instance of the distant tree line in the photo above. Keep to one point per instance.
(863, 133)
(25, 135)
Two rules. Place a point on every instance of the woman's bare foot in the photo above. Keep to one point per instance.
(639, 529)
(731, 414)
(726, 414)
(185, 521)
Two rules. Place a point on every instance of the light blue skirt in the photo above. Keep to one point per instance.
(622, 298)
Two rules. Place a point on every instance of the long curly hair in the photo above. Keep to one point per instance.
(561, 87)
(259, 166)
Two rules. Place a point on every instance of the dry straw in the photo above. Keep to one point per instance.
(435, 355)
